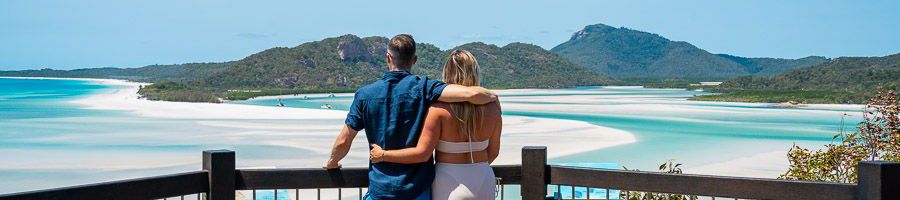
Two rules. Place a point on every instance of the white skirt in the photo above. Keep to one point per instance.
(463, 181)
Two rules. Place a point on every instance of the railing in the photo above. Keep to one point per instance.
(219, 180)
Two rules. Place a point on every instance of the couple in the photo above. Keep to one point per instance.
(407, 117)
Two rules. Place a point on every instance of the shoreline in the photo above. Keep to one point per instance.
(519, 131)
(761, 165)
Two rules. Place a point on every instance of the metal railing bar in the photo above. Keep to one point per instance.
(156, 187)
(755, 188)
(588, 192)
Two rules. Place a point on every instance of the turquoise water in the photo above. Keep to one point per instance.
(46, 141)
(711, 132)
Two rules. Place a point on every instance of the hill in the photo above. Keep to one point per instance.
(150, 73)
(841, 80)
(631, 54)
(339, 64)
(348, 62)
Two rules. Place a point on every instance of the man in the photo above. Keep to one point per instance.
(392, 111)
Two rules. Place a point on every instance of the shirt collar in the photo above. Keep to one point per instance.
(395, 75)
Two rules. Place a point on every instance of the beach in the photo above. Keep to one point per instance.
(109, 133)
(562, 137)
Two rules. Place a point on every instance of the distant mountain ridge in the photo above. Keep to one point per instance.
(627, 53)
(337, 64)
(150, 73)
(350, 62)
(841, 80)
(846, 74)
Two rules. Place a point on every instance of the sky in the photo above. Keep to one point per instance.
(69, 34)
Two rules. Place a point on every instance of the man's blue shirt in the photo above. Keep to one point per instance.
(392, 111)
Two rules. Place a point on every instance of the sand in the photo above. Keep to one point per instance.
(562, 137)
(307, 134)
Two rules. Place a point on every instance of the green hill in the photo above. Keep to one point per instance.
(150, 73)
(841, 80)
(630, 54)
(339, 64)
(348, 62)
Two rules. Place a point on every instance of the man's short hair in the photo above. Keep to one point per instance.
(403, 50)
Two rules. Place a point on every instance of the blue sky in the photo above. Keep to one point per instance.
(71, 34)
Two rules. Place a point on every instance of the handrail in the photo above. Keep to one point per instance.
(141, 188)
(702, 185)
(219, 180)
(311, 178)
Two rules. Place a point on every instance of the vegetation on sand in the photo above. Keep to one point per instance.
(877, 138)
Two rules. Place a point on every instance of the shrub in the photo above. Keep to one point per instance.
(877, 138)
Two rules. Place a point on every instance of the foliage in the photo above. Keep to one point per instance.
(150, 73)
(339, 64)
(782, 96)
(172, 91)
(876, 138)
(849, 75)
(317, 65)
(667, 167)
(626, 53)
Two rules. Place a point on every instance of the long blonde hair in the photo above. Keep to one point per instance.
(462, 69)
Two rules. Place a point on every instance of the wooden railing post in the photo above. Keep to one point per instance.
(534, 173)
(220, 166)
(878, 180)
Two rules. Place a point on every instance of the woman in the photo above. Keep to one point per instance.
(466, 137)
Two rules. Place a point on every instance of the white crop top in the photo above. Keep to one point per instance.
(461, 147)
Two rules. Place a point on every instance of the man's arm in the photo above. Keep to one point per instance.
(341, 147)
(475, 95)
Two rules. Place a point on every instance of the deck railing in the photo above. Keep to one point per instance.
(219, 180)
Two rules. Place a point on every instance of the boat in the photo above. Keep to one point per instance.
(327, 106)
(280, 103)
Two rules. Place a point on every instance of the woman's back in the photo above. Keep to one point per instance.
(451, 137)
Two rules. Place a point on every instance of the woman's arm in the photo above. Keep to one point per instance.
(431, 133)
(493, 149)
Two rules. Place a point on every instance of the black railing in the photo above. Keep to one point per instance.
(219, 180)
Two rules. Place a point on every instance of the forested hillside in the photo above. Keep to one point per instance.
(150, 73)
(841, 80)
(629, 54)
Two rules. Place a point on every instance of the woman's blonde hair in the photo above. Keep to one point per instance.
(462, 69)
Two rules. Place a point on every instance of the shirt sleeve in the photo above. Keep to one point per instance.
(355, 118)
(433, 89)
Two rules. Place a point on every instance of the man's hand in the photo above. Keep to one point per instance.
(376, 154)
(331, 164)
(340, 148)
(483, 96)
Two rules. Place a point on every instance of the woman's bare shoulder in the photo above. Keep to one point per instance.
(492, 109)
(439, 109)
